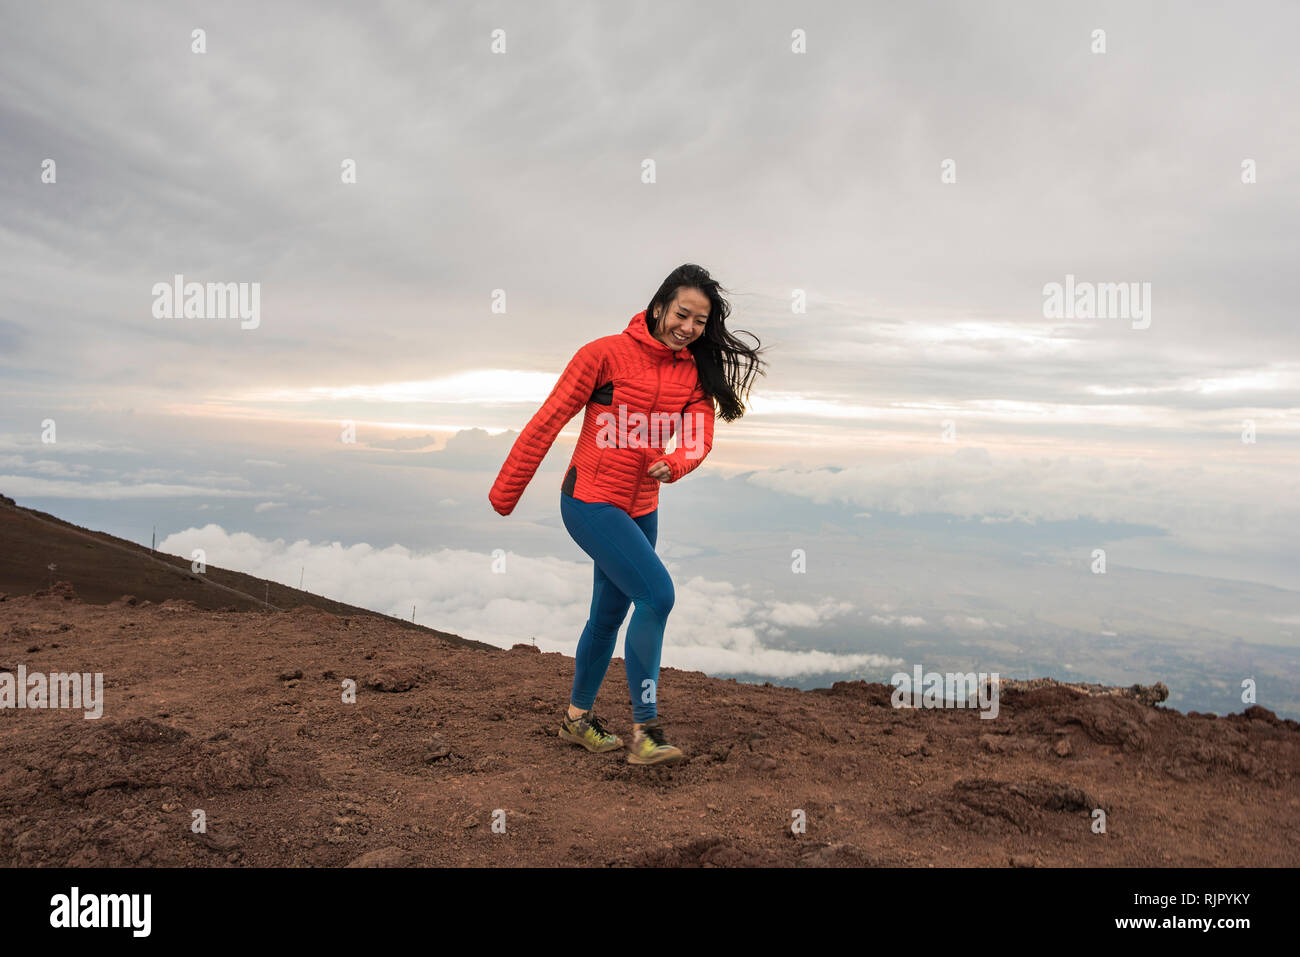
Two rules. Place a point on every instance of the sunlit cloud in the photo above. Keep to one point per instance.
(1028, 335)
(486, 387)
(26, 485)
(1273, 378)
(1260, 380)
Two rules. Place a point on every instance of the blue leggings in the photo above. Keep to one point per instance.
(627, 570)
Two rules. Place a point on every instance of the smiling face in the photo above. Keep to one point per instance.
(684, 320)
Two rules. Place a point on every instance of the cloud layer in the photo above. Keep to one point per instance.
(715, 626)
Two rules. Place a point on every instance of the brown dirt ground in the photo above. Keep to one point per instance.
(205, 709)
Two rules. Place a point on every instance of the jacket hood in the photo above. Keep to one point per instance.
(640, 331)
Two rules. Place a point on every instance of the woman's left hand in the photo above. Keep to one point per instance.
(660, 471)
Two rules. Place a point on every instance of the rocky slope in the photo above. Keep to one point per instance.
(449, 757)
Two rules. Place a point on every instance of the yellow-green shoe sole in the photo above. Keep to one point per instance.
(673, 757)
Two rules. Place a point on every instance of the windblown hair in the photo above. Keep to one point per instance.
(726, 365)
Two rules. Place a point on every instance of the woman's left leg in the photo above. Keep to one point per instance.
(645, 634)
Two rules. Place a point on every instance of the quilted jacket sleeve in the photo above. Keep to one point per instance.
(571, 394)
(688, 455)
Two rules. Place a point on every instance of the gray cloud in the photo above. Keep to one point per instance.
(779, 172)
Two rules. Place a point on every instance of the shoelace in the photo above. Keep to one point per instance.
(595, 723)
(655, 734)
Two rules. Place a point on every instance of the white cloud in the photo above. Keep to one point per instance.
(712, 627)
(31, 486)
(32, 442)
(46, 466)
(969, 622)
(1239, 501)
(907, 621)
(803, 615)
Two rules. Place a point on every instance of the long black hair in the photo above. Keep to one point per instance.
(726, 365)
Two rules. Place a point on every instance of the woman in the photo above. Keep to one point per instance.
(670, 365)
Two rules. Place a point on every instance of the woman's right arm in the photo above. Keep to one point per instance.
(571, 393)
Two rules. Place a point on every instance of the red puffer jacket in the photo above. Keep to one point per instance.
(620, 375)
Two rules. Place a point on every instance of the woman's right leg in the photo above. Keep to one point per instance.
(596, 646)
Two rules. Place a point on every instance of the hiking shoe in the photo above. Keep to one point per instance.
(590, 732)
(649, 747)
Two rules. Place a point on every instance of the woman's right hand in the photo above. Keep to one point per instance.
(496, 507)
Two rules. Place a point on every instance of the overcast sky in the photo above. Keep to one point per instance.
(918, 176)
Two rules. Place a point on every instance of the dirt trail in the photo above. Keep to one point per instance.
(240, 714)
